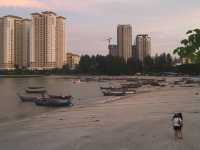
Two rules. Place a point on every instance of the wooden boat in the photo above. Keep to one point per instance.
(113, 93)
(38, 91)
(35, 87)
(27, 98)
(53, 102)
(111, 88)
(33, 97)
(61, 97)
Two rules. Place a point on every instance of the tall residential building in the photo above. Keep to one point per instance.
(143, 46)
(113, 50)
(48, 40)
(22, 43)
(26, 42)
(12, 45)
(134, 51)
(124, 41)
(60, 41)
(43, 42)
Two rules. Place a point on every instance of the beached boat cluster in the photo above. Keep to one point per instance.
(117, 91)
(130, 87)
(40, 97)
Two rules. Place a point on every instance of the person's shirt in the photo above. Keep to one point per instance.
(177, 122)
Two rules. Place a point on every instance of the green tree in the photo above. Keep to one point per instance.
(148, 63)
(134, 66)
(190, 48)
(85, 64)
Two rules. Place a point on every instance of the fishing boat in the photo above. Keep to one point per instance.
(53, 102)
(33, 97)
(27, 98)
(35, 87)
(38, 91)
(113, 93)
(111, 88)
(61, 97)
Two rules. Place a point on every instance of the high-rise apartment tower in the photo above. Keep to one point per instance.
(143, 46)
(124, 41)
(47, 40)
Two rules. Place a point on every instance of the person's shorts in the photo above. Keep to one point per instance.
(177, 128)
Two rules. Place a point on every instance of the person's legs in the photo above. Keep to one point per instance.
(175, 133)
(180, 133)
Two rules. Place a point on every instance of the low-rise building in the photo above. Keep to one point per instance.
(72, 60)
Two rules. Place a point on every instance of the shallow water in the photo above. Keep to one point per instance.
(12, 108)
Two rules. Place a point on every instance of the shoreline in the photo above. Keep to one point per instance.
(21, 76)
(102, 101)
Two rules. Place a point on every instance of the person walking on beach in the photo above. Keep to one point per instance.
(177, 121)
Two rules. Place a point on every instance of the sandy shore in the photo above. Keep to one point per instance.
(140, 122)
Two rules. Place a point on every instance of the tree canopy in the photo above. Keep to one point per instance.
(190, 48)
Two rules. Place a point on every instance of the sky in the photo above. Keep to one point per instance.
(91, 22)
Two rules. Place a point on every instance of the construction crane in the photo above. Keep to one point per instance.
(109, 40)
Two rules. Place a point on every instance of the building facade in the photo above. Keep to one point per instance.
(38, 43)
(43, 40)
(26, 42)
(22, 43)
(134, 51)
(124, 41)
(72, 60)
(143, 46)
(113, 50)
(13, 30)
(60, 41)
(47, 41)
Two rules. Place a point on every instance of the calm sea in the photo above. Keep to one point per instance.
(11, 108)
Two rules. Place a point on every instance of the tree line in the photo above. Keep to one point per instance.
(109, 65)
(106, 65)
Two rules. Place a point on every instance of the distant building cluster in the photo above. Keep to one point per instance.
(36, 43)
(125, 48)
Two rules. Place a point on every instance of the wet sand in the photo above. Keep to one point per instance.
(141, 122)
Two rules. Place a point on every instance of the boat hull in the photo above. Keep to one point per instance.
(35, 91)
(53, 102)
(27, 98)
(114, 93)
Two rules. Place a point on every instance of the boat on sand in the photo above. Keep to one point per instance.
(53, 102)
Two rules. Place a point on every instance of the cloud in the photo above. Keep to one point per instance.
(23, 3)
(91, 21)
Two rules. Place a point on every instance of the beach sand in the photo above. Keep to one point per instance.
(140, 122)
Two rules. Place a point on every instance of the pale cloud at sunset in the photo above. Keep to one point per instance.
(90, 22)
(22, 3)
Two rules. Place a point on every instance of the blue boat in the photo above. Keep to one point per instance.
(53, 102)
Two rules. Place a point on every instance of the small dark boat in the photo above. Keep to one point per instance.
(114, 93)
(110, 88)
(27, 98)
(53, 102)
(61, 97)
(38, 91)
(35, 87)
